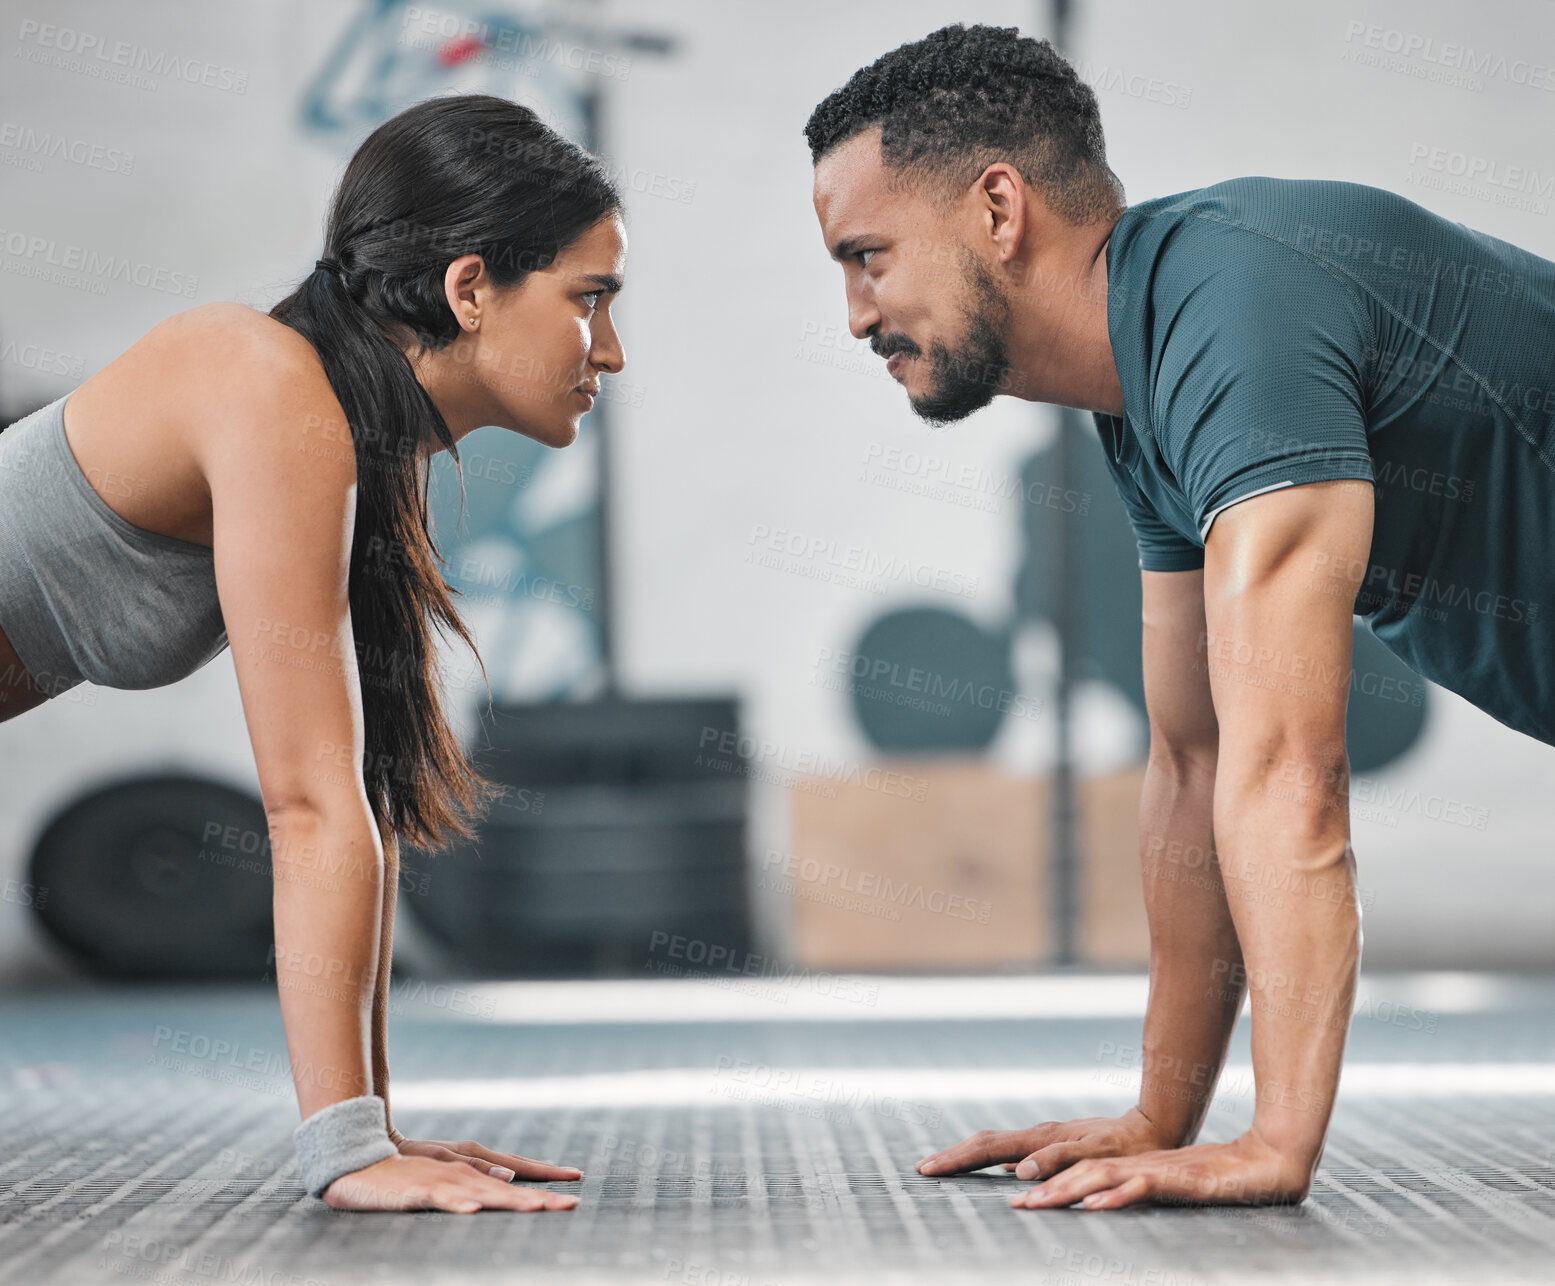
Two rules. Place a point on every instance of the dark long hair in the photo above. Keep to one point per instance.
(453, 175)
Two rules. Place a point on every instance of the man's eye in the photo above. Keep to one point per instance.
(864, 256)
(593, 298)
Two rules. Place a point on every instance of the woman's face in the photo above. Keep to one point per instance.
(536, 350)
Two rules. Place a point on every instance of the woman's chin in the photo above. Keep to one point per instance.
(562, 432)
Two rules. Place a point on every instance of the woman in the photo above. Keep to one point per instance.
(262, 479)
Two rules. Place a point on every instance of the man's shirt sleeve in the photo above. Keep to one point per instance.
(1260, 373)
(1161, 547)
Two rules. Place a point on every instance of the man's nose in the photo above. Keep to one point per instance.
(862, 313)
(863, 316)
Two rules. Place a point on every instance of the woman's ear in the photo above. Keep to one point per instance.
(459, 282)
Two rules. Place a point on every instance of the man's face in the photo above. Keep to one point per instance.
(916, 289)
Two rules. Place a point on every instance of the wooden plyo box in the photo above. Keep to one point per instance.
(955, 875)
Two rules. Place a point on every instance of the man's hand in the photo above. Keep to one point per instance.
(499, 1165)
(1246, 1171)
(1046, 1149)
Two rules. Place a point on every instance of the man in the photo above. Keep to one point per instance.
(1316, 400)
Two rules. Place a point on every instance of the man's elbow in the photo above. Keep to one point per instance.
(1304, 778)
(1315, 760)
(1183, 761)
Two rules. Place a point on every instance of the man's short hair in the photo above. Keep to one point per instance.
(960, 99)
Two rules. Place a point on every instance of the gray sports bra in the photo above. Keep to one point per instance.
(86, 596)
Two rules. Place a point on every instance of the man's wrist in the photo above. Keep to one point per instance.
(1296, 1165)
(1172, 1129)
(1151, 1124)
(1299, 1154)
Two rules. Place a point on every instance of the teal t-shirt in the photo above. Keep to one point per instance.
(1271, 332)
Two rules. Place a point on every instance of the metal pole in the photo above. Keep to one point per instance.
(590, 110)
(591, 115)
(1067, 858)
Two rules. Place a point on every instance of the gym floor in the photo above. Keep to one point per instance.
(742, 1132)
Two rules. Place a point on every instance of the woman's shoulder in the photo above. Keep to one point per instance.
(243, 340)
(260, 386)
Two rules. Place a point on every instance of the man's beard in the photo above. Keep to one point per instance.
(965, 380)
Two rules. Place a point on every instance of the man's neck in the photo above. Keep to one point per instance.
(1060, 349)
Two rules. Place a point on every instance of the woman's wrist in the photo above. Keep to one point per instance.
(342, 1138)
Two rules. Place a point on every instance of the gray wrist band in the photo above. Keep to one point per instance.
(341, 1138)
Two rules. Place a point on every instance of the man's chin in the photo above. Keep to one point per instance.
(941, 411)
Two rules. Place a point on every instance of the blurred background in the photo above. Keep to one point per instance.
(786, 682)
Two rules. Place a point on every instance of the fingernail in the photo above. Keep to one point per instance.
(1025, 1170)
(1092, 1201)
(503, 1173)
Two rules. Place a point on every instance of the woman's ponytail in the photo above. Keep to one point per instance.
(455, 175)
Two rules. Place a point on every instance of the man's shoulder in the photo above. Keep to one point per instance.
(1245, 243)
(1279, 209)
(1256, 196)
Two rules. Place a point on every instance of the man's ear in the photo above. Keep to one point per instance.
(1001, 195)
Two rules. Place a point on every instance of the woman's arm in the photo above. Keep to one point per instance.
(499, 1165)
(283, 505)
(327, 910)
(391, 880)
(282, 519)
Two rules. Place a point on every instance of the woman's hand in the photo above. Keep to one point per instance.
(1046, 1149)
(421, 1183)
(499, 1165)
(1246, 1171)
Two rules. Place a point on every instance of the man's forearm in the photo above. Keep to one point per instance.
(326, 951)
(1193, 1004)
(1290, 879)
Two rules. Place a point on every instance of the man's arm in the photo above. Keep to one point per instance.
(1280, 577)
(1192, 1011)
